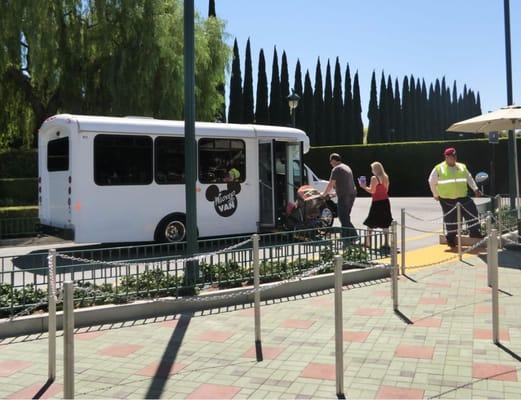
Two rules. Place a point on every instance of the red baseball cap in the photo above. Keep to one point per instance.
(451, 151)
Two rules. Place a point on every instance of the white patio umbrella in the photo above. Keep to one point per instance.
(504, 119)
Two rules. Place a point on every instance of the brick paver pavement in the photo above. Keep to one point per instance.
(447, 352)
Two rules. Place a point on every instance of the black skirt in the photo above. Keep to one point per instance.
(379, 215)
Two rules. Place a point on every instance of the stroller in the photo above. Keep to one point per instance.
(311, 210)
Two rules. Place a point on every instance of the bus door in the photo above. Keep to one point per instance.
(227, 197)
(266, 184)
(288, 174)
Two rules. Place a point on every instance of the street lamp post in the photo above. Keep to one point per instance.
(512, 144)
(293, 100)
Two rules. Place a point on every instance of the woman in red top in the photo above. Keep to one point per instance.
(380, 211)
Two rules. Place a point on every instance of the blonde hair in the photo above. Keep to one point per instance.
(378, 170)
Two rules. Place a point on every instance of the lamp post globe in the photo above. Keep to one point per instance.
(293, 100)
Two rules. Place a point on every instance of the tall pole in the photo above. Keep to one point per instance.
(512, 145)
(293, 118)
(190, 143)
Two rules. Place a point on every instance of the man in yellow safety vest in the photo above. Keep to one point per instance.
(448, 182)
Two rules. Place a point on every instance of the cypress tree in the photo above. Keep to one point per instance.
(397, 111)
(275, 96)
(432, 112)
(297, 86)
(221, 114)
(412, 110)
(261, 102)
(478, 105)
(443, 107)
(404, 121)
(338, 107)
(235, 108)
(372, 114)
(307, 101)
(413, 133)
(424, 114)
(349, 132)
(437, 109)
(247, 94)
(318, 106)
(284, 91)
(389, 107)
(358, 125)
(383, 135)
(454, 104)
(329, 134)
(211, 8)
(464, 102)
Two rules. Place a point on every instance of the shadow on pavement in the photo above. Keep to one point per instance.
(157, 385)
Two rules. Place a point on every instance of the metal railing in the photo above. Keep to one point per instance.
(122, 274)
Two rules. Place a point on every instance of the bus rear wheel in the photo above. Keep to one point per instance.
(172, 229)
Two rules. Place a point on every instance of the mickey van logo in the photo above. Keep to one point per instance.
(224, 201)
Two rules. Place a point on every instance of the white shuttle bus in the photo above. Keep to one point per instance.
(110, 179)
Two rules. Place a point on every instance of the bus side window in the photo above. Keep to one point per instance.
(222, 160)
(58, 154)
(170, 160)
(122, 160)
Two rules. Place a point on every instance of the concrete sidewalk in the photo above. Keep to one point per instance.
(446, 352)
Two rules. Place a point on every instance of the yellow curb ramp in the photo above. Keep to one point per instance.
(430, 256)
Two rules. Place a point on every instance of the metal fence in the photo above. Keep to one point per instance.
(125, 273)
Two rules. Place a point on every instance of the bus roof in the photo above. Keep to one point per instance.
(141, 125)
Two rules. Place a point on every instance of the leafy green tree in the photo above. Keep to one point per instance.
(275, 93)
(235, 109)
(105, 57)
(261, 102)
(358, 125)
(247, 93)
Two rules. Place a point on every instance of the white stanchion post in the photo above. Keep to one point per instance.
(458, 216)
(339, 330)
(489, 230)
(495, 286)
(68, 340)
(394, 265)
(403, 241)
(256, 285)
(51, 319)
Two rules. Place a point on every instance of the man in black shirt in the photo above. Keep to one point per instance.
(342, 181)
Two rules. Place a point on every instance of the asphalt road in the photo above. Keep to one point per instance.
(421, 207)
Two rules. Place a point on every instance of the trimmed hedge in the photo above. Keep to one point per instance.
(18, 212)
(410, 163)
(18, 164)
(18, 192)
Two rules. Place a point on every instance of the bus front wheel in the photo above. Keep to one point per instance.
(171, 229)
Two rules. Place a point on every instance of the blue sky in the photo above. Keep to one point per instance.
(462, 40)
